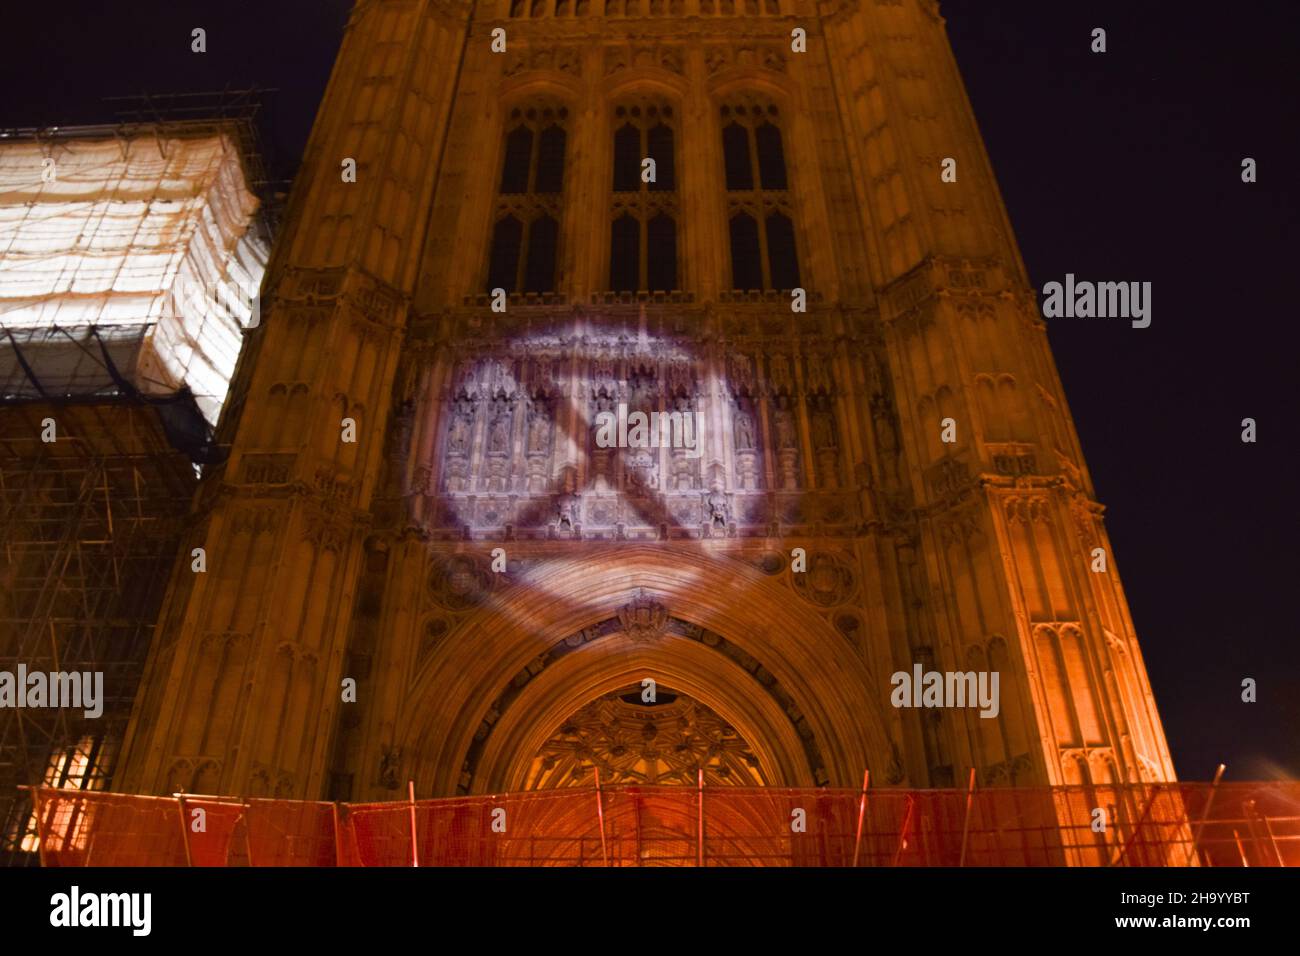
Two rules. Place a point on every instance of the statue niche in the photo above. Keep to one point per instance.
(499, 441)
(537, 445)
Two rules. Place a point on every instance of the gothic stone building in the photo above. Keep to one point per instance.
(503, 145)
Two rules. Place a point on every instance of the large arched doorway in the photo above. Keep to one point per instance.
(569, 630)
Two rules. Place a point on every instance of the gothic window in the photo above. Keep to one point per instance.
(643, 221)
(764, 253)
(526, 226)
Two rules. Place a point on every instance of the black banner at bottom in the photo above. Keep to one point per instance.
(642, 907)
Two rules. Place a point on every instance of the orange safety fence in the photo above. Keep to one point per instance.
(1176, 824)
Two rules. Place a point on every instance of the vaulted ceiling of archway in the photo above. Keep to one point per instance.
(639, 736)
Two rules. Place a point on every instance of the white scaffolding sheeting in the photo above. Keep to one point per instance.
(142, 230)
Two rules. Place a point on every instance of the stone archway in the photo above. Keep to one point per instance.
(571, 628)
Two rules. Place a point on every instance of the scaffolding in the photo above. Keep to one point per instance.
(134, 230)
(90, 525)
(130, 259)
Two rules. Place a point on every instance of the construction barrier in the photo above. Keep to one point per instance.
(1177, 824)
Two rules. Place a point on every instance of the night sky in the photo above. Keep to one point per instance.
(1123, 166)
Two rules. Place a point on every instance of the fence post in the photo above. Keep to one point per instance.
(415, 845)
(248, 828)
(1133, 836)
(965, 825)
(862, 812)
(600, 814)
(39, 810)
(185, 830)
(907, 820)
(699, 852)
(1268, 832)
(1241, 850)
(338, 836)
(1209, 802)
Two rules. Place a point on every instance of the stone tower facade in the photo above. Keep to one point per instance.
(886, 473)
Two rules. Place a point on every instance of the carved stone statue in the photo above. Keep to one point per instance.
(566, 509)
(744, 431)
(719, 513)
(823, 428)
(784, 427)
(538, 432)
(643, 470)
(779, 372)
(499, 439)
(458, 440)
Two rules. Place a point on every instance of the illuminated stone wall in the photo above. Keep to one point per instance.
(483, 570)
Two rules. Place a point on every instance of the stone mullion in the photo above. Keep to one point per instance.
(1049, 379)
(327, 428)
(850, 166)
(455, 259)
(153, 747)
(845, 46)
(961, 374)
(1102, 608)
(726, 425)
(442, 386)
(805, 188)
(394, 662)
(913, 450)
(1117, 722)
(847, 424)
(313, 768)
(257, 740)
(403, 86)
(958, 114)
(767, 448)
(517, 477)
(418, 472)
(568, 423)
(800, 401)
(1069, 554)
(701, 190)
(1008, 582)
(593, 162)
(858, 425)
(868, 29)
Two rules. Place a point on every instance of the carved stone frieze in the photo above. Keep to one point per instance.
(829, 580)
(459, 582)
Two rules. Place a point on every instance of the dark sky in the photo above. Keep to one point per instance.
(1123, 166)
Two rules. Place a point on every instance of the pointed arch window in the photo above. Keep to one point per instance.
(645, 210)
(764, 250)
(524, 246)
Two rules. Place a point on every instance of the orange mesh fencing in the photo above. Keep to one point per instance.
(1176, 824)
